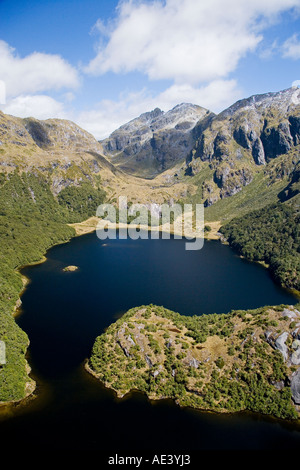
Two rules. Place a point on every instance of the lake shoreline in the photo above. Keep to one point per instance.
(90, 225)
(82, 228)
(134, 378)
(150, 398)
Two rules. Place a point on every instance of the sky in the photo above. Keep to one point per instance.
(101, 63)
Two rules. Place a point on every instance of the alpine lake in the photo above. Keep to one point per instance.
(63, 312)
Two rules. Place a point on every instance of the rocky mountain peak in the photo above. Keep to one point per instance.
(281, 100)
(155, 140)
(150, 115)
(251, 133)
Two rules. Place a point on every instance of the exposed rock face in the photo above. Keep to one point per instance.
(281, 346)
(291, 354)
(267, 125)
(293, 188)
(295, 387)
(231, 180)
(2, 353)
(245, 140)
(295, 128)
(154, 141)
(249, 134)
(295, 358)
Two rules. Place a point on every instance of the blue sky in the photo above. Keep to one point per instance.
(101, 63)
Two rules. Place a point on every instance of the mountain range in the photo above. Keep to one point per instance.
(225, 151)
(185, 153)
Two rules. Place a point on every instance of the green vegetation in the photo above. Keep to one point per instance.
(31, 221)
(258, 194)
(270, 235)
(222, 363)
(81, 201)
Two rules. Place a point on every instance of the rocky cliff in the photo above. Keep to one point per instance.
(245, 140)
(254, 140)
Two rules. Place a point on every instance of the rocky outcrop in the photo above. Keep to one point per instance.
(288, 343)
(295, 128)
(295, 387)
(276, 140)
(295, 357)
(293, 187)
(231, 180)
(2, 353)
(281, 346)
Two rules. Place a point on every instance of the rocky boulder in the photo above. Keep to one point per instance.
(281, 346)
(295, 387)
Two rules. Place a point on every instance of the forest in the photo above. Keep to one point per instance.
(270, 235)
(31, 221)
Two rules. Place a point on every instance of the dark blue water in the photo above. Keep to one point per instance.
(62, 314)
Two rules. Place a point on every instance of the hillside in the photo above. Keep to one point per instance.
(52, 174)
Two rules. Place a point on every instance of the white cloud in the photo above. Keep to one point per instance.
(38, 106)
(2, 92)
(37, 72)
(184, 40)
(291, 48)
(269, 51)
(215, 96)
(109, 115)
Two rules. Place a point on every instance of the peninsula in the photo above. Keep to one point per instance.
(243, 360)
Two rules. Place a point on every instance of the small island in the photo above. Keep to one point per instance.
(69, 269)
(243, 360)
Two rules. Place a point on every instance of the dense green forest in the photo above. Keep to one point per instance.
(271, 235)
(31, 221)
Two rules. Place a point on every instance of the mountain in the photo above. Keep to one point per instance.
(249, 150)
(155, 141)
(61, 150)
(246, 139)
(68, 156)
